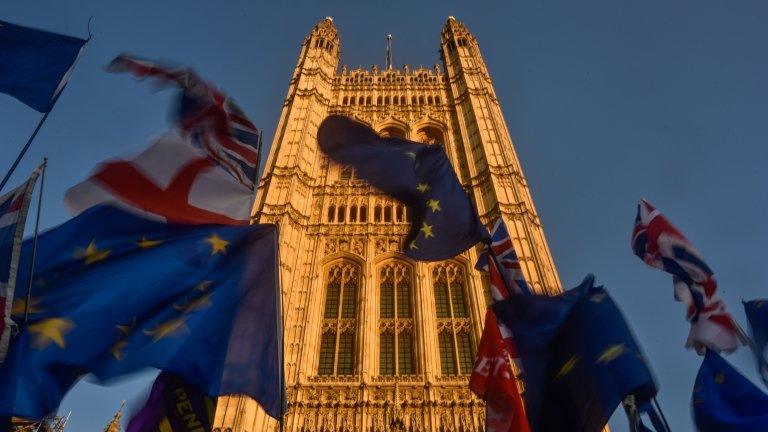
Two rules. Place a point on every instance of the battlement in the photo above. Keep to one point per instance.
(375, 75)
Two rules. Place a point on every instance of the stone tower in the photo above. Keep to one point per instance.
(373, 340)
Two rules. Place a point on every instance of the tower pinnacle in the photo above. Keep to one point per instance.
(389, 51)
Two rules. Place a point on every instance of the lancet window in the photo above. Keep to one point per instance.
(396, 344)
(451, 307)
(337, 342)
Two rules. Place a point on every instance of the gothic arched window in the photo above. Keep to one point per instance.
(399, 214)
(451, 308)
(337, 343)
(363, 214)
(388, 214)
(341, 214)
(353, 213)
(331, 213)
(396, 354)
(377, 213)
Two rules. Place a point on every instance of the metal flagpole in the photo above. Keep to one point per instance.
(280, 323)
(45, 116)
(25, 148)
(34, 242)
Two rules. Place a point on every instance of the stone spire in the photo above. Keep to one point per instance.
(114, 425)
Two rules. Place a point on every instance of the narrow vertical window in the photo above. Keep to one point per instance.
(452, 313)
(353, 213)
(388, 214)
(341, 214)
(363, 214)
(395, 320)
(447, 360)
(331, 213)
(337, 342)
(377, 213)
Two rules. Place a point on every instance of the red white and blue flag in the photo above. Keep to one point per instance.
(659, 244)
(13, 215)
(492, 379)
(202, 171)
(506, 280)
(213, 121)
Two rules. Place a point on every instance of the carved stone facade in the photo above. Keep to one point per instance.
(373, 340)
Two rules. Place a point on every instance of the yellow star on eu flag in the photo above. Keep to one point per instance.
(611, 353)
(427, 230)
(422, 187)
(434, 205)
(117, 348)
(169, 328)
(146, 243)
(92, 253)
(19, 305)
(566, 368)
(412, 245)
(217, 243)
(200, 303)
(50, 330)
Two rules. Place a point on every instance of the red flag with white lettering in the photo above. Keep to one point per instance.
(493, 381)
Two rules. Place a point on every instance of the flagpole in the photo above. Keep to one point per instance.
(25, 148)
(45, 116)
(34, 241)
(280, 322)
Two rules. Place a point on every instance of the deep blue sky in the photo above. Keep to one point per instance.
(607, 102)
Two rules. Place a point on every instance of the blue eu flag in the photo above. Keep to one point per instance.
(114, 293)
(580, 359)
(757, 315)
(444, 222)
(34, 64)
(723, 400)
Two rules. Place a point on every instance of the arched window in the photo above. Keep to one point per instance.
(337, 343)
(331, 213)
(346, 101)
(429, 100)
(451, 308)
(396, 356)
(341, 213)
(437, 100)
(386, 100)
(353, 213)
(368, 100)
(399, 214)
(352, 100)
(378, 100)
(363, 214)
(413, 100)
(361, 100)
(388, 214)
(402, 100)
(377, 213)
(421, 100)
(396, 100)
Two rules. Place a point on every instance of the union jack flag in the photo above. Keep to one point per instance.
(659, 244)
(492, 378)
(211, 118)
(13, 214)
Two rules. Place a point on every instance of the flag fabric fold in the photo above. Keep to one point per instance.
(174, 406)
(579, 357)
(210, 118)
(444, 222)
(114, 293)
(723, 400)
(13, 215)
(757, 316)
(35, 65)
(659, 244)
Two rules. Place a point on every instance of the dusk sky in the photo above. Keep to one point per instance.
(606, 101)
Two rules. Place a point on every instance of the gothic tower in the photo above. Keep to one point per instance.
(373, 340)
